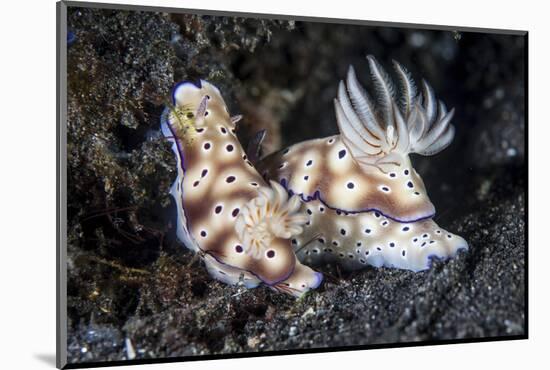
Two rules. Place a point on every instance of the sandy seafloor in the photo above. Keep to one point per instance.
(135, 292)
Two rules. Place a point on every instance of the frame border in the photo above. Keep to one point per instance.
(295, 17)
(61, 189)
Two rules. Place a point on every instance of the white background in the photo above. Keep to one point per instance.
(27, 183)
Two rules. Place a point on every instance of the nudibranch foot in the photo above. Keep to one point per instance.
(354, 241)
(229, 275)
(226, 211)
(302, 280)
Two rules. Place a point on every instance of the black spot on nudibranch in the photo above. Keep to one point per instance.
(204, 172)
(406, 228)
(309, 163)
(229, 148)
(286, 151)
(218, 209)
(308, 211)
(200, 129)
(306, 177)
(235, 212)
(342, 153)
(350, 185)
(207, 146)
(406, 172)
(203, 233)
(223, 130)
(195, 184)
(270, 253)
(230, 179)
(343, 231)
(239, 248)
(410, 184)
(403, 253)
(367, 231)
(392, 244)
(392, 174)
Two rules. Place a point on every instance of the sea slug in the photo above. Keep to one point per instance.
(366, 204)
(239, 224)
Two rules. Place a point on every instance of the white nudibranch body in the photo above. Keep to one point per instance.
(366, 204)
(227, 213)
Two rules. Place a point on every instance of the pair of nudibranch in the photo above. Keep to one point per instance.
(353, 199)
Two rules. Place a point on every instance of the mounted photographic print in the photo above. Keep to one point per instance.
(239, 184)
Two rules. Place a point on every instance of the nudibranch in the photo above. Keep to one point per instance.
(241, 225)
(366, 204)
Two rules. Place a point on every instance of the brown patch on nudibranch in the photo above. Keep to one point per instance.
(316, 168)
(359, 188)
(213, 189)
